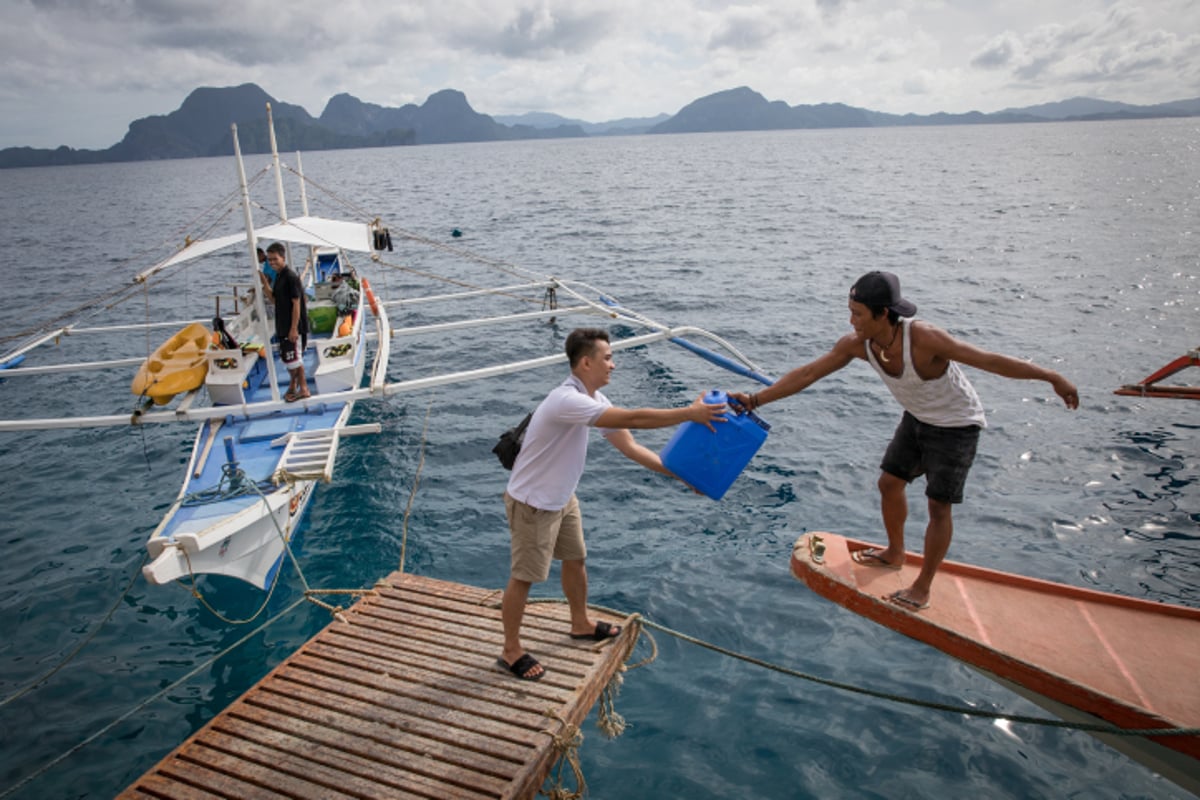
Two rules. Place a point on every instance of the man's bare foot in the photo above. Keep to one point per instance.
(908, 600)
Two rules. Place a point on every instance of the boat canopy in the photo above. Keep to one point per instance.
(315, 231)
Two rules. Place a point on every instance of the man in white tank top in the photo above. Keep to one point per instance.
(936, 437)
(543, 514)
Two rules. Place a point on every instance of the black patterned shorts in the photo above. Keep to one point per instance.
(943, 455)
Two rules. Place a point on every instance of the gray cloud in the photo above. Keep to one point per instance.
(1099, 48)
(997, 54)
(742, 32)
(536, 32)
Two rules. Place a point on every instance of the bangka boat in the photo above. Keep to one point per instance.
(1085, 656)
(258, 455)
(1152, 385)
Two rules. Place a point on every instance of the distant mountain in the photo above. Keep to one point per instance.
(743, 109)
(626, 126)
(1075, 107)
(201, 125)
(445, 117)
(1085, 108)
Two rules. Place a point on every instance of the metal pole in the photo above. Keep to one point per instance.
(259, 306)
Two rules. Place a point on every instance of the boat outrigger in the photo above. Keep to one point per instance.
(1086, 656)
(257, 456)
(1152, 385)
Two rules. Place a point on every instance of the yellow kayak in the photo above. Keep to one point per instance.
(180, 364)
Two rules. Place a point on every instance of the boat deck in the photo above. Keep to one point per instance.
(400, 700)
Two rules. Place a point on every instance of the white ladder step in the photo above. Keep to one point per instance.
(309, 455)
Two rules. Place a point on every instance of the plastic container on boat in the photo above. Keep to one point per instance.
(709, 461)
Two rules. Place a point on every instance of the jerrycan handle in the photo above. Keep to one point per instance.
(715, 396)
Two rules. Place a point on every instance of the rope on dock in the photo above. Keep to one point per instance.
(567, 741)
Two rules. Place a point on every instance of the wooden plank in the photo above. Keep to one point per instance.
(410, 719)
(392, 770)
(402, 691)
(325, 725)
(229, 777)
(156, 786)
(402, 699)
(316, 766)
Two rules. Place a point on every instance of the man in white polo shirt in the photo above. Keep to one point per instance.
(543, 514)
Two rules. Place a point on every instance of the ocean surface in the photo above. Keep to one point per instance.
(1073, 244)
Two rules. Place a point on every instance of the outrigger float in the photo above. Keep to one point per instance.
(258, 455)
(1152, 386)
(1086, 656)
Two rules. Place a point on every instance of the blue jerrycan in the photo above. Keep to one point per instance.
(711, 461)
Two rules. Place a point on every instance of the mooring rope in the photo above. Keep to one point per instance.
(162, 692)
(416, 482)
(83, 643)
(936, 706)
(1087, 727)
(110, 300)
(310, 594)
(566, 741)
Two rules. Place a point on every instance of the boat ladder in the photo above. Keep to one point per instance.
(309, 455)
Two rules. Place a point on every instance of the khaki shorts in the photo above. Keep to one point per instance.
(539, 537)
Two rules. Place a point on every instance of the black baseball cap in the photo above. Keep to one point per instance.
(881, 290)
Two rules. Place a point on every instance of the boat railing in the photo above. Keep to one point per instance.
(383, 350)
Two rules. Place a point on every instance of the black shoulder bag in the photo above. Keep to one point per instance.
(510, 442)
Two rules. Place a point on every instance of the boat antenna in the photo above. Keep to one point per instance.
(283, 215)
(252, 242)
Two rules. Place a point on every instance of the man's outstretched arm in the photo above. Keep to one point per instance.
(644, 418)
(952, 349)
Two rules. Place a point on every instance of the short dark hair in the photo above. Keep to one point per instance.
(878, 311)
(582, 342)
(277, 247)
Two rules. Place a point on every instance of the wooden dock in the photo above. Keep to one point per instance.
(400, 700)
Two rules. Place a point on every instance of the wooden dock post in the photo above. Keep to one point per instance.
(401, 700)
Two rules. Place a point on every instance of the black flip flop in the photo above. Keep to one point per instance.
(603, 631)
(521, 667)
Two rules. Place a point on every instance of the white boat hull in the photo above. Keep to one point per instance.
(249, 545)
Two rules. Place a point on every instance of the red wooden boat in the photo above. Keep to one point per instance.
(1083, 655)
(1151, 385)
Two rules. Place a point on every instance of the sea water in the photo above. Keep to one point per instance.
(1072, 244)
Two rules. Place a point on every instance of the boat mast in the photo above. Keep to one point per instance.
(283, 215)
(278, 172)
(260, 307)
(303, 192)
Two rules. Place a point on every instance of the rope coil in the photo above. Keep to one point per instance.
(566, 742)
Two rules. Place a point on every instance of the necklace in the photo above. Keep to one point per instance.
(882, 350)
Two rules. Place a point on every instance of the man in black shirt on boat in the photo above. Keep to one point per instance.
(291, 321)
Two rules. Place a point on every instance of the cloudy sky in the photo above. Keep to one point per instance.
(77, 72)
